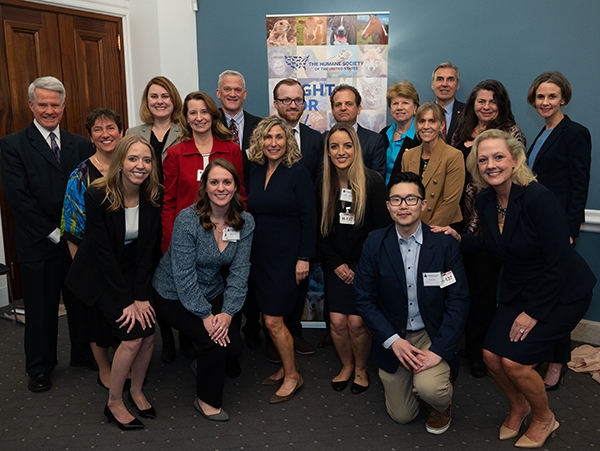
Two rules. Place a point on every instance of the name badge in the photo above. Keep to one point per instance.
(230, 234)
(347, 218)
(432, 279)
(200, 171)
(346, 195)
(447, 279)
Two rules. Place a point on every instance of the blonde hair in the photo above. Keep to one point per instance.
(112, 183)
(257, 142)
(331, 186)
(521, 174)
(177, 116)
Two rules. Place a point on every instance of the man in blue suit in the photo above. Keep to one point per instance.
(345, 107)
(412, 293)
(445, 81)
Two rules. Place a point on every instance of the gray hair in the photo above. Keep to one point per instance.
(50, 83)
(446, 65)
(231, 73)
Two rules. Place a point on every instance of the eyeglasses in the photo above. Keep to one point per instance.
(297, 101)
(411, 201)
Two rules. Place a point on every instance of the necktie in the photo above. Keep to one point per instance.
(234, 129)
(54, 146)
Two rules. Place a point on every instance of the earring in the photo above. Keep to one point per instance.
(120, 169)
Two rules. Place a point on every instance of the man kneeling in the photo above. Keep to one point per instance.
(412, 293)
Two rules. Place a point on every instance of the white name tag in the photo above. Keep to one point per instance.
(346, 195)
(347, 218)
(200, 171)
(230, 234)
(447, 279)
(432, 279)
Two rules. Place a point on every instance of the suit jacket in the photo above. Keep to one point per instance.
(250, 123)
(312, 147)
(381, 293)
(34, 186)
(540, 266)
(444, 180)
(563, 166)
(457, 109)
(408, 143)
(373, 149)
(145, 131)
(97, 263)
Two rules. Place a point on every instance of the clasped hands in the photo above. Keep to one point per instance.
(345, 273)
(217, 327)
(140, 311)
(413, 358)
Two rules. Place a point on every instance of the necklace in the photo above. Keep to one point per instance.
(102, 167)
(501, 211)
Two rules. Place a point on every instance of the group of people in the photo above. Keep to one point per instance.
(203, 214)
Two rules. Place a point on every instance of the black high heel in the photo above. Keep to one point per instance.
(147, 413)
(561, 379)
(133, 424)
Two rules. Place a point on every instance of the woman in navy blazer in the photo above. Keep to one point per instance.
(560, 157)
(545, 289)
(113, 267)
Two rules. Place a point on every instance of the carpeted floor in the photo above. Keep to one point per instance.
(69, 416)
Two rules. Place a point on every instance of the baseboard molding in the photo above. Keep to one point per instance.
(587, 332)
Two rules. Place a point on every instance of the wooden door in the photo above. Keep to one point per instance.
(81, 49)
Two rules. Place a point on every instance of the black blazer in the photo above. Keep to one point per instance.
(311, 146)
(408, 143)
(376, 216)
(97, 263)
(540, 266)
(563, 166)
(250, 123)
(34, 186)
(381, 296)
(373, 149)
(456, 112)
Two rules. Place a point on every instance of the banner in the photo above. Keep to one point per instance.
(327, 50)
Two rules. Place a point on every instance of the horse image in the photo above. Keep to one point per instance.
(375, 30)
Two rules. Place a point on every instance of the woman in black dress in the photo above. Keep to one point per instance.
(545, 289)
(281, 199)
(352, 203)
(113, 268)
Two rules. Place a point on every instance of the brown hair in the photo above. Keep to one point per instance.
(550, 77)
(177, 116)
(218, 129)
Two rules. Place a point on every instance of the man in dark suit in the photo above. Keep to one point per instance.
(445, 81)
(232, 94)
(36, 164)
(412, 293)
(345, 107)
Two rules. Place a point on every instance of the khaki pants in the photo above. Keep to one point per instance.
(403, 388)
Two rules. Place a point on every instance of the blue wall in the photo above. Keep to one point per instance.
(512, 41)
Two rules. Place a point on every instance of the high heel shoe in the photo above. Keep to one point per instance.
(561, 379)
(507, 433)
(526, 442)
(133, 424)
(146, 413)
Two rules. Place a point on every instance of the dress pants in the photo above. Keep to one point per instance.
(403, 388)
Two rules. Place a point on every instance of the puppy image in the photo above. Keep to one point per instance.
(279, 34)
(314, 30)
(343, 30)
(375, 64)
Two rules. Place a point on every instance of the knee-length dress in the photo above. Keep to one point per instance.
(543, 275)
(286, 225)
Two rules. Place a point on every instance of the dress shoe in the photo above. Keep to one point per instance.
(146, 413)
(187, 347)
(276, 399)
(221, 416)
(507, 433)
(526, 442)
(340, 385)
(253, 342)
(132, 425)
(325, 341)
(89, 364)
(168, 345)
(561, 379)
(100, 383)
(357, 389)
(271, 352)
(478, 369)
(268, 382)
(40, 383)
(303, 347)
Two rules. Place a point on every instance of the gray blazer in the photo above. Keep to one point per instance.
(145, 130)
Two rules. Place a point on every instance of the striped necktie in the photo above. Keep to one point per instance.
(54, 146)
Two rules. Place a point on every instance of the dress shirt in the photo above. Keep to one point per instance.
(46, 133)
(448, 113)
(537, 146)
(296, 131)
(410, 250)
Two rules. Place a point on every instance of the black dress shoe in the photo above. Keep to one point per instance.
(340, 385)
(147, 413)
(357, 389)
(132, 425)
(187, 347)
(561, 379)
(89, 364)
(253, 341)
(478, 369)
(40, 383)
